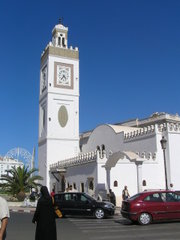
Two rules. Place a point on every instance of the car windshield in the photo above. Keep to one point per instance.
(134, 196)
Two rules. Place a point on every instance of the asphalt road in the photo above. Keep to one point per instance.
(79, 228)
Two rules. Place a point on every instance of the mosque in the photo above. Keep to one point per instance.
(139, 153)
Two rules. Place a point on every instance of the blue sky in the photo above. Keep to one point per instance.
(129, 61)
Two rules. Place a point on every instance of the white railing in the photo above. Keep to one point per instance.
(78, 160)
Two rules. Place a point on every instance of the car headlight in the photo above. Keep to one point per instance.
(108, 205)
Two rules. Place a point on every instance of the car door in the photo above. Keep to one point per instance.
(84, 205)
(154, 205)
(172, 205)
(69, 204)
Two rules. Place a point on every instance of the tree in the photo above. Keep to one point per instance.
(19, 181)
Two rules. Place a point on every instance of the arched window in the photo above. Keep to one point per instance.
(91, 185)
(59, 41)
(98, 148)
(74, 185)
(144, 183)
(115, 183)
(103, 147)
(63, 42)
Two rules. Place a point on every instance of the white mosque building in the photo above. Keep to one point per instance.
(109, 156)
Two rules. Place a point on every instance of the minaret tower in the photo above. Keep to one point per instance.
(58, 102)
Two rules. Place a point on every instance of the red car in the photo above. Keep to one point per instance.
(149, 206)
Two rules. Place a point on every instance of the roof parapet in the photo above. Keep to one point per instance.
(140, 132)
(78, 160)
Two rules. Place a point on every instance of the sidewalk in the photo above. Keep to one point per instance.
(21, 209)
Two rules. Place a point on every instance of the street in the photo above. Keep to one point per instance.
(20, 228)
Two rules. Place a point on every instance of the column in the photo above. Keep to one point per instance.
(108, 178)
(139, 175)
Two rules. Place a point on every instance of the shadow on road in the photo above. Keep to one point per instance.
(124, 222)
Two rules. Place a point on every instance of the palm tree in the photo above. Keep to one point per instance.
(19, 181)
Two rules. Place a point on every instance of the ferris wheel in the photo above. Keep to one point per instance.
(20, 155)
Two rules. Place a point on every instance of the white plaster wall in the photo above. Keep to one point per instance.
(42, 163)
(101, 172)
(146, 143)
(153, 174)
(60, 149)
(114, 142)
(125, 174)
(103, 134)
(71, 130)
(174, 157)
(42, 129)
(80, 173)
(101, 184)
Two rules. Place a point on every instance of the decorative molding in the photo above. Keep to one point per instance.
(78, 160)
(149, 156)
(63, 52)
(140, 132)
(162, 127)
(171, 127)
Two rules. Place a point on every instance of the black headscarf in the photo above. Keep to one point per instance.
(45, 193)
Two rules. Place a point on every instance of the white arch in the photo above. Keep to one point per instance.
(131, 156)
(114, 158)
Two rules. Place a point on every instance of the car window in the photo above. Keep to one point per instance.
(70, 197)
(135, 196)
(83, 198)
(154, 197)
(89, 197)
(177, 197)
(171, 197)
(57, 197)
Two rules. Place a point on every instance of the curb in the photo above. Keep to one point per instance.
(32, 210)
(22, 210)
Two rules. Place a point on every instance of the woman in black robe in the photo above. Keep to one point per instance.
(44, 217)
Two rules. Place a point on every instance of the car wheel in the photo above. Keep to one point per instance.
(99, 213)
(145, 219)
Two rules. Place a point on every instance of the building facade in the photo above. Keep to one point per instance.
(113, 156)
(109, 156)
(7, 164)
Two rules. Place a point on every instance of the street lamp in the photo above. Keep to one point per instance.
(163, 142)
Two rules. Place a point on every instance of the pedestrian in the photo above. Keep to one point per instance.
(53, 192)
(45, 217)
(112, 197)
(4, 215)
(125, 193)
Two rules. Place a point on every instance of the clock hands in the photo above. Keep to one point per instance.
(63, 76)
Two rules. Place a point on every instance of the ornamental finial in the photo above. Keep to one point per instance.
(61, 20)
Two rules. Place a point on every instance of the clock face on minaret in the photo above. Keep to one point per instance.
(63, 76)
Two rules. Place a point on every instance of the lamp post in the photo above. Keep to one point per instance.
(163, 142)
